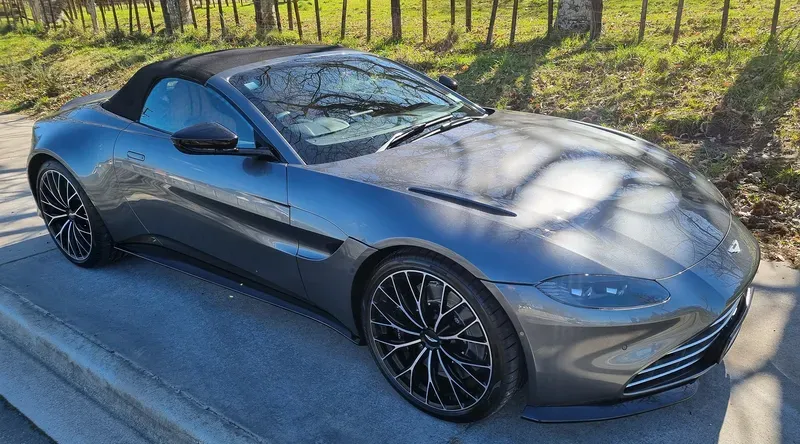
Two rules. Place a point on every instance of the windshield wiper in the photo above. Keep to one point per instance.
(413, 130)
(452, 124)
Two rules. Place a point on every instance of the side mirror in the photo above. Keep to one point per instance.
(449, 82)
(206, 138)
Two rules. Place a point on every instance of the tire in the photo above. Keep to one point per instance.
(72, 220)
(464, 352)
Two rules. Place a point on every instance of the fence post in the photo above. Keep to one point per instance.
(289, 13)
(725, 7)
(80, 11)
(319, 24)
(514, 10)
(297, 20)
(138, 21)
(150, 17)
(774, 29)
(103, 16)
(425, 20)
(7, 14)
(277, 16)
(221, 18)
(452, 13)
(677, 30)
(397, 20)
(492, 19)
(114, 12)
(468, 15)
(642, 21)
(344, 20)
(192, 13)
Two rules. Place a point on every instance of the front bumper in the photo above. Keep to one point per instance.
(671, 388)
(587, 364)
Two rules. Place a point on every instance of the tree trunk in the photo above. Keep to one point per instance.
(597, 20)
(265, 16)
(37, 11)
(91, 7)
(574, 16)
(397, 22)
(177, 13)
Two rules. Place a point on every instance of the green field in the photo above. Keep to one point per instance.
(730, 107)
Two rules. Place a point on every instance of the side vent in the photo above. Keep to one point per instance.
(463, 201)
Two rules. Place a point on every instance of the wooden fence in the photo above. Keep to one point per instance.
(83, 14)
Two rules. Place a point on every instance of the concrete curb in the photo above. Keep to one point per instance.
(160, 412)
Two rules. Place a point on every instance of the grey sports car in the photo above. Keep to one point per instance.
(472, 250)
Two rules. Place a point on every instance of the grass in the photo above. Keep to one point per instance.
(731, 107)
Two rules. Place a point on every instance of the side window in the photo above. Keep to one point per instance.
(174, 104)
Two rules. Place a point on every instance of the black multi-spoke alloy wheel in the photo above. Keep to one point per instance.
(439, 337)
(71, 219)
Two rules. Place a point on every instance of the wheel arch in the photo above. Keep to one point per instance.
(35, 165)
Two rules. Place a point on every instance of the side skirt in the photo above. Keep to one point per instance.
(234, 282)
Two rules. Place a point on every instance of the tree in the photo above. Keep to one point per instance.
(177, 13)
(580, 16)
(91, 7)
(265, 17)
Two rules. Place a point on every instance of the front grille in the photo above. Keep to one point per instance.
(689, 360)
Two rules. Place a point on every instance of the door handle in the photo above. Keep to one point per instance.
(135, 156)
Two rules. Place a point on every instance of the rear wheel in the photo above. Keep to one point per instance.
(440, 338)
(71, 219)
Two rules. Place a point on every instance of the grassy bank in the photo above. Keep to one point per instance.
(731, 108)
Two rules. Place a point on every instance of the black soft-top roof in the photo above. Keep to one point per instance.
(129, 100)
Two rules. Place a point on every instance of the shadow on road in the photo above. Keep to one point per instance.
(288, 378)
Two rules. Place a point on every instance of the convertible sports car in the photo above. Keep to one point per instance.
(473, 250)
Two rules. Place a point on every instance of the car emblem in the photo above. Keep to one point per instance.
(734, 248)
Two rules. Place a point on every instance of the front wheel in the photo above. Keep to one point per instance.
(440, 338)
(71, 219)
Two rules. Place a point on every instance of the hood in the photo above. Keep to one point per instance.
(607, 196)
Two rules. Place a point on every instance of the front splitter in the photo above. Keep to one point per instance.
(602, 412)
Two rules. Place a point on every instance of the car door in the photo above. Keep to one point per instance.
(229, 211)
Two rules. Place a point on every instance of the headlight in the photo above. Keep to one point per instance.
(609, 292)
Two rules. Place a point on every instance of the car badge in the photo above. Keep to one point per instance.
(734, 248)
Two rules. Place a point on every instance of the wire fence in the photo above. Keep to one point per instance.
(171, 16)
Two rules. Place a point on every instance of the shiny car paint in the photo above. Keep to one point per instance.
(514, 198)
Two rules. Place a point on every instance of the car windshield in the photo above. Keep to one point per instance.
(336, 107)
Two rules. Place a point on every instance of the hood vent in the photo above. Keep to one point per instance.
(463, 201)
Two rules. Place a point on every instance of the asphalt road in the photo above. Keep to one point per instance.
(16, 428)
(290, 379)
